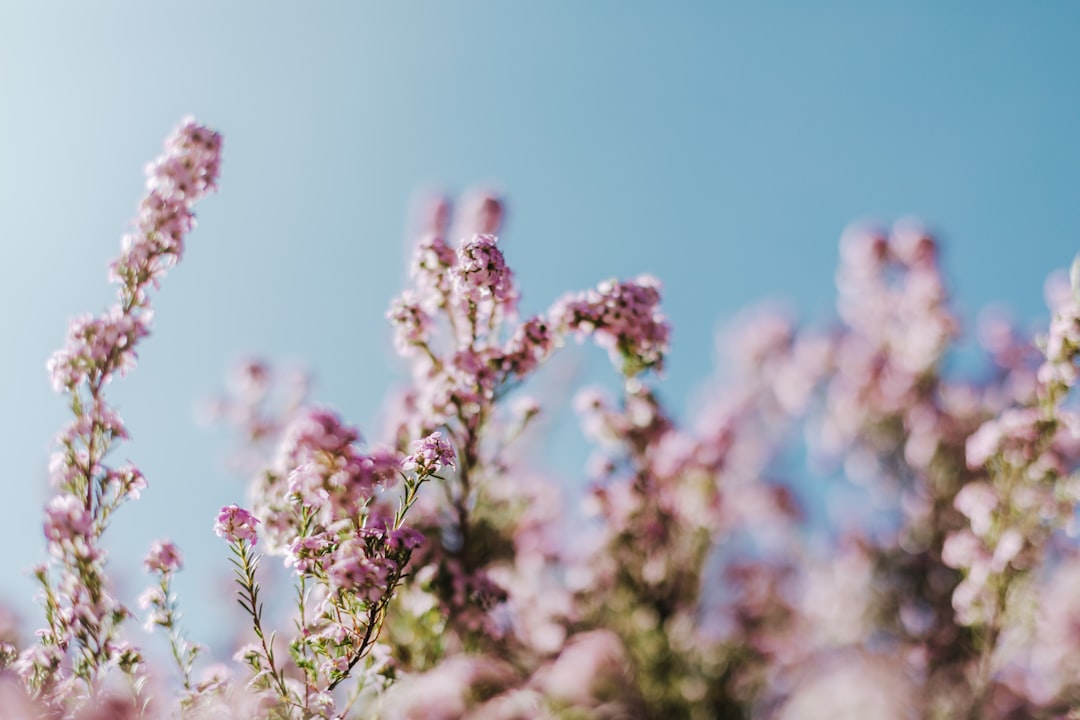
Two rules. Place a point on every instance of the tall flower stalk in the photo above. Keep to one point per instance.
(81, 640)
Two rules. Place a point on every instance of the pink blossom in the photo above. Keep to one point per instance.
(448, 690)
(98, 417)
(308, 553)
(1014, 430)
(591, 665)
(432, 262)
(623, 317)
(316, 431)
(236, 524)
(411, 323)
(324, 468)
(481, 212)
(151, 597)
(353, 572)
(66, 519)
(430, 454)
(163, 557)
(855, 685)
(977, 501)
(481, 272)
(530, 345)
(1009, 545)
(98, 347)
(128, 480)
(962, 549)
(404, 538)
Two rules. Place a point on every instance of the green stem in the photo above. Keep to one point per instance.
(249, 600)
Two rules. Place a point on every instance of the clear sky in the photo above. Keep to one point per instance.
(721, 147)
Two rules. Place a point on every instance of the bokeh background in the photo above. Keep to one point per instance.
(722, 147)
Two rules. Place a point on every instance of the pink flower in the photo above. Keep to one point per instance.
(430, 454)
(481, 212)
(962, 549)
(151, 597)
(309, 553)
(589, 664)
(531, 344)
(236, 524)
(481, 272)
(98, 347)
(314, 433)
(325, 469)
(128, 479)
(66, 519)
(404, 538)
(163, 557)
(622, 317)
(432, 262)
(977, 501)
(411, 323)
(1008, 547)
(1015, 429)
(367, 577)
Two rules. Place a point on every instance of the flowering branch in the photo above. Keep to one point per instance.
(82, 616)
(164, 560)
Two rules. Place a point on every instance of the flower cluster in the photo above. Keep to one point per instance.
(163, 557)
(481, 272)
(236, 525)
(623, 317)
(1023, 460)
(430, 454)
(325, 506)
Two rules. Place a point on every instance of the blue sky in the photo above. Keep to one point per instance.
(721, 147)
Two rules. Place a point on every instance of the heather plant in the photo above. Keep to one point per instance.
(81, 641)
(442, 571)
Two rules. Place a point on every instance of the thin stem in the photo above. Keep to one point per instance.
(180, 652)
(301, 596)
(374, 617)
(246, 579)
